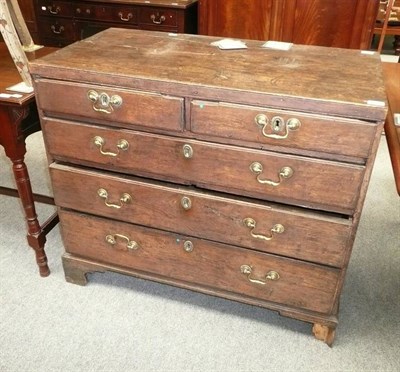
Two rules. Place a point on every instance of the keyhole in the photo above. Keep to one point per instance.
(277, 124)
(104, 99)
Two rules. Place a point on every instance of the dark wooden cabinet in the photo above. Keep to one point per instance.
(336, 23)
(63, 22)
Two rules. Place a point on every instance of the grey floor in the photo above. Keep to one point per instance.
(119, 323)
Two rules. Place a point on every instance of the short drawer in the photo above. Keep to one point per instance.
(201, 262)
(287, 129)
(55, 8)
(59, 29)
(319, 184)
(265, 227)
(158, 17)
(111, 105)
(121, 14)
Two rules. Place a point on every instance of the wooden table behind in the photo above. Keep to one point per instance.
(18, 119)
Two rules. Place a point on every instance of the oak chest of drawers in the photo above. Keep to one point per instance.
(63, 22)
(237, 173)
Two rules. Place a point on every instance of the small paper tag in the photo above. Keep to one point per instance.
(279, 45)
(396, 119)
(375, 103)
(21, 87)
(6, 95)
(368, 52)
(229, 44)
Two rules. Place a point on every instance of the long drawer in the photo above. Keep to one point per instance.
(294, 130)
(320, 184)
(111, 105)
(201, 262)
(261, 226)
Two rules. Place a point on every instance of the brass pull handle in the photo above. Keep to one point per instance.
(122, 145)
(103, 102)
(251, 224)
(285, 172)
(124, 199)
(187, 151)
(55, 11)
(157, 19)
(130, 244)
(271, 275)
(277, 125)
(125, 19)
(57, 32)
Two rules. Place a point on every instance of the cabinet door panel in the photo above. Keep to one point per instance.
(334, 23)
(248, 19)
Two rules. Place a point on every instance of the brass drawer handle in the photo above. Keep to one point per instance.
(130, 244)
(124, 199)
(157, 19)
(285, 172)
(57, 32)
(271, 275)
(251, 224)
(277, 125)
(121, 145)
(125, 19)
(56, 10)
(102, 102)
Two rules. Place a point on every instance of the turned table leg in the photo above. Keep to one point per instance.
(36, 237)
(324, 333)
(12, 137)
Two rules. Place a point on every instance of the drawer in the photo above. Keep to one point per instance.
(122, 14)
(200, 262)
(54, 8)
(296, 180)
(286, 129)
(58, 29)
(158, 17)
(265, 227)
(111, 105)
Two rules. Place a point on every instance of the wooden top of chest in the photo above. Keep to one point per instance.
(314, 79)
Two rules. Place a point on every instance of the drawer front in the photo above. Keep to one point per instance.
(158, 17)
(280, 128)
(269, 228)
(55, 8)
(201, 262)
(122, 14)
(313, 183)
(112, 106)
(58, 29)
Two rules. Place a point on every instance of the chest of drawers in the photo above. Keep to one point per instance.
(237, 173)
(63, 22)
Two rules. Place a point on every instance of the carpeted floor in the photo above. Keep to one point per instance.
(119, 323)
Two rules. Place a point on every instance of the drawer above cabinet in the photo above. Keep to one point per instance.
(325, 185)
(58, 31)
(289, 130)
(201, 262)
(111, 105)
(265, 227)
(54, 8)
(118, 13)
